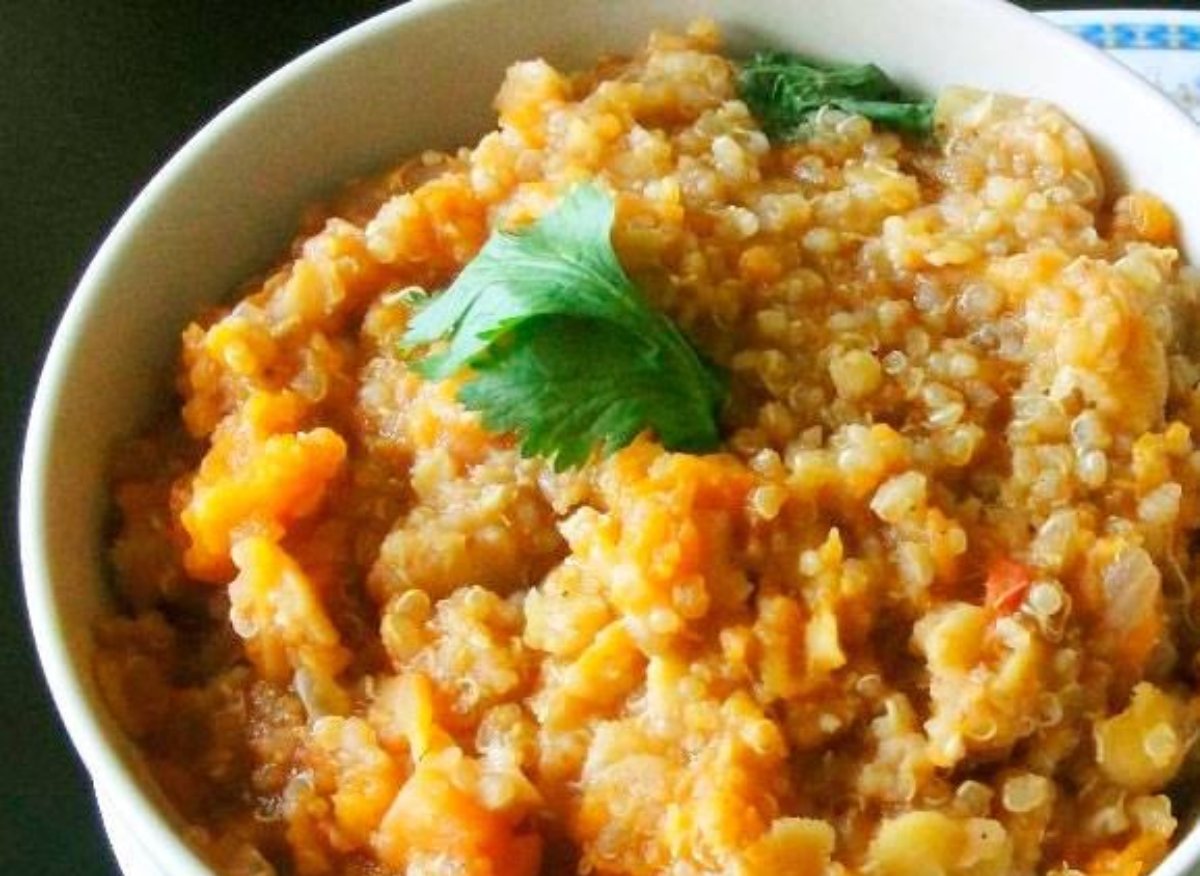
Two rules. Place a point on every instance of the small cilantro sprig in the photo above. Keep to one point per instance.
(784, 92)
(563, 348)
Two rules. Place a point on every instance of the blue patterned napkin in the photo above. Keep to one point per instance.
(1161, 44)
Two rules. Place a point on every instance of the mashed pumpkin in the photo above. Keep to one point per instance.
(929, 613)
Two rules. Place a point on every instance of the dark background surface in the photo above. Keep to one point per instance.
(93, 99)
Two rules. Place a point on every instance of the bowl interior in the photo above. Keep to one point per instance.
(421, 76)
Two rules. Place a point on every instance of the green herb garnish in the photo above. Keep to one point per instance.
(565, 350)
(784, 92)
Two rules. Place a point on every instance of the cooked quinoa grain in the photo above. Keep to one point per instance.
(931, 610)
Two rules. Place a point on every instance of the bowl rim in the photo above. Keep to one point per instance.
(157, 831)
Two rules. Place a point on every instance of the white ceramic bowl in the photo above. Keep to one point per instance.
(423, 75)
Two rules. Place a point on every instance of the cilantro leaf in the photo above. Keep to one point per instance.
(784, 92)
(562, 264)
(563, 348)
(567, 385)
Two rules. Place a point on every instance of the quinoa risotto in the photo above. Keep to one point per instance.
(929, 610)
